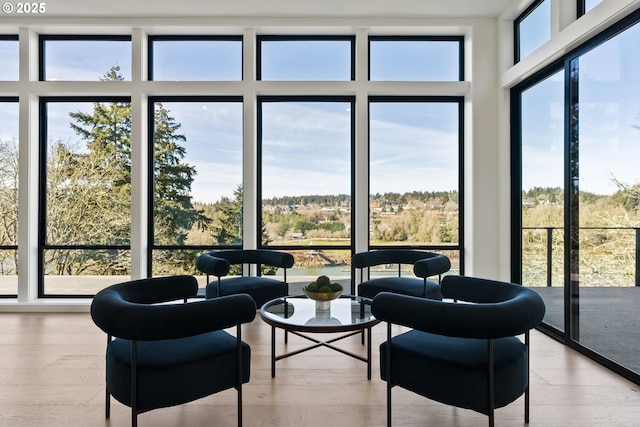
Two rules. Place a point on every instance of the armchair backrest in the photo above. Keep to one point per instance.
(498, 309)
(218, 263)
(131, 311)
(256, 256)
(425, 264)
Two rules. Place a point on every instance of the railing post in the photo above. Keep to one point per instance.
(549, 255)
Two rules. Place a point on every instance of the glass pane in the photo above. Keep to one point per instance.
(306, 173)
(8, 272)
(8, 198)
(86, 60)
(163, 265)
(197, 60)
(414, 60)
(9, 60)
(8, 173)
(535, 29)
(311, 263)
(590, 4)
(88, 192)
(198, 177)
(609, 188)
(305, 59)
(418, 206)
(84, 271)
(88, 173)
(543, 194)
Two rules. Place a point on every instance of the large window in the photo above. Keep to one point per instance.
(532, 28)
(9, 196)
(8, 58)
(306, 180)
(414, 173)
(196, 177)
(195, 58)
(173, 144)
(84, 58)
(305, 58)
(542, 195)
(85, 216)
(416, 58)
(577, 141)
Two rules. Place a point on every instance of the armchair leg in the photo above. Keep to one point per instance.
(490, 381)
(107, 404)
(388, 404)
(526, 390)
(389, 375)
(134, 384)
(239, 372)
(526, 405)
(107, 401)
(240, 406)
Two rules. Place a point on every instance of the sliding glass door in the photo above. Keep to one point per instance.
(576, 195)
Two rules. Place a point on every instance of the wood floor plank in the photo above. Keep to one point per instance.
(52, 374)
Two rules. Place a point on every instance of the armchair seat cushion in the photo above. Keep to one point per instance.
(171, 371)
(401, 285)
(453, 370)
(260, 288)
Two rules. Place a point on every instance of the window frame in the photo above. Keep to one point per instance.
(151, 244)
(302, 98)
(266, 37)
(459, 100)
(154, 38)
(44, 38)
(12, 37)
(12, 247)
(582, 8)
(517, 36)
(571, 312)
(458, 39)
(43, 245)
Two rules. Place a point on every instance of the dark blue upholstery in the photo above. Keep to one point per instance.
(260, 288)
(445, 357)
(172, 372)
(181, 351)
(425, 265)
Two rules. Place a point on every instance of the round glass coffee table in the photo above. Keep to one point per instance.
(298, 314)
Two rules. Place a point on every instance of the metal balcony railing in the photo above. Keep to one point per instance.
(549, 250)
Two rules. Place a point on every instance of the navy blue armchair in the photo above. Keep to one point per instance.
(462, 354)
(162, 354)
(425, 265)
(260, 288)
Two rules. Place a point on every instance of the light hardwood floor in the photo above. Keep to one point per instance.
(52, 374)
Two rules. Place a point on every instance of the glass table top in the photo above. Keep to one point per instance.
(300, 313)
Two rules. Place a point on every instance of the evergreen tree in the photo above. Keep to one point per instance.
(228, 229)
(96, 185)
(173, 210)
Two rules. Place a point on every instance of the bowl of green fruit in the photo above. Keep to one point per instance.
(322, 289)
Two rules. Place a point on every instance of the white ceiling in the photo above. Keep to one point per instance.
(280, 8)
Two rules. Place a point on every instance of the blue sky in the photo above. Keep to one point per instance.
(87, 60)
(609, 109)
(8, 60)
